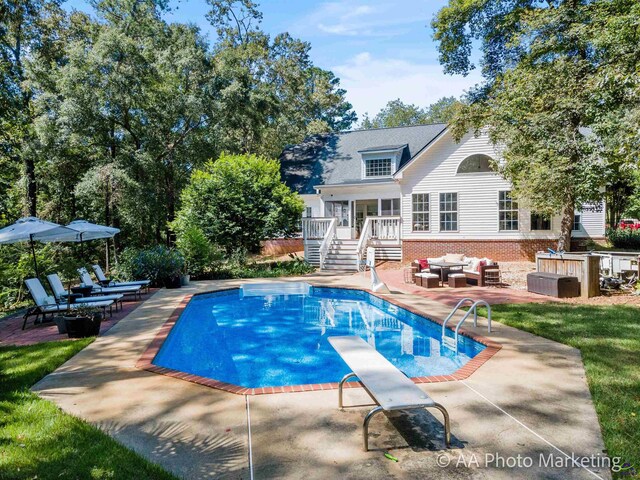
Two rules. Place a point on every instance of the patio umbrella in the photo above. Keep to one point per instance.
(81, 230)
(30, 229)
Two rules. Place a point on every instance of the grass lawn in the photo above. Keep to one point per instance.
(38, 440)
(609, 339)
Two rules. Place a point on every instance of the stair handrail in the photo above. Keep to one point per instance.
(363, 241)
(455, 309)
(326, 241)
(473, 308)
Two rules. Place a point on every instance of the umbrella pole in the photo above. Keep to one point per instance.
(33, 253)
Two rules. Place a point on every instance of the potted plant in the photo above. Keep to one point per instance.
(83, 321)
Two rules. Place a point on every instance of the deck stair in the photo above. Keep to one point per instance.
(342, 255)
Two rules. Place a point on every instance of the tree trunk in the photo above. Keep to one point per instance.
(566, 225)
(32, 192)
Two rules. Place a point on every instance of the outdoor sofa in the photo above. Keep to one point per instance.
(475, 270)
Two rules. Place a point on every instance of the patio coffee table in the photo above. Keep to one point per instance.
(447, 266)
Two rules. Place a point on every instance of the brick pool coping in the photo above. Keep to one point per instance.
(145, 361)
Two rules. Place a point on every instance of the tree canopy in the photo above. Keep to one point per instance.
(107, 116)
(399, 114)
(559, 94)
(238, 201)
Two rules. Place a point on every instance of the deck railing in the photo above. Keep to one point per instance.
(379, 228)
(315, 228)
(385, 228)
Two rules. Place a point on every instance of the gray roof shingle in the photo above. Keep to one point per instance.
(335, 158)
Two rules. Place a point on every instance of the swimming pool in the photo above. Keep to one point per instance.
(265, 339)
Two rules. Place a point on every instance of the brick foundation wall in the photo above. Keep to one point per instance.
(282, 246)
(499, 250)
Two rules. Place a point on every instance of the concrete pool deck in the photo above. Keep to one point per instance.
(528, 404)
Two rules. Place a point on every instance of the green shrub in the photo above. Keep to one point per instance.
(238, 201)
(157, 264)
(626, 238)
(238, 268)
(200, 256)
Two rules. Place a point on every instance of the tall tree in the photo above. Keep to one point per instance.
(399, 114)
(133, 98)
(29, 30)
(271, 94)
(541, 96)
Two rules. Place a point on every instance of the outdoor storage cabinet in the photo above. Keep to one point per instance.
(553, 284)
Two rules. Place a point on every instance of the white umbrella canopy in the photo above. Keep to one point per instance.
(91, 231)
(80, 231)
(30, 229)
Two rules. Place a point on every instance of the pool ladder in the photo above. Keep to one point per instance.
(452, 342)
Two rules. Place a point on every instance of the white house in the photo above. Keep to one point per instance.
(415, 192)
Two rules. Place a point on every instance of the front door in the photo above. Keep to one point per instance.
(364, 209)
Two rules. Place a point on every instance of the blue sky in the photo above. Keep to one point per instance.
(380, 49)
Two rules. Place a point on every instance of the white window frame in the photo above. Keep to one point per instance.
(441, 212)
(377, 159)
(577, 215)
(399, 199)
(500, 210)
(426, 212)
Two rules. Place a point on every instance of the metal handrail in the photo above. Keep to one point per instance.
(327, 240)
(474, 309)
(455, 309)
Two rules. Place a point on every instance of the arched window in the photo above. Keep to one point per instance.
(478, 162)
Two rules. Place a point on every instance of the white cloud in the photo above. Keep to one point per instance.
(352, 18)
(371, 82)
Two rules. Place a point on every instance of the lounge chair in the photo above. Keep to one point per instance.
(85, 278)
(105, 282)
(61, 294)
(384, 383)
(46, 304)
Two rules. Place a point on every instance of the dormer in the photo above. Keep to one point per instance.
(382, 161)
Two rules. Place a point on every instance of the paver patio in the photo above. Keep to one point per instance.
(530, 399)
(11, 332)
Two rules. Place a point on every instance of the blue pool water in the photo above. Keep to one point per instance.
(278, 340)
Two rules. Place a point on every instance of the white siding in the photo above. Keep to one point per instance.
(314, 202)
(592, 223)
(435, 172)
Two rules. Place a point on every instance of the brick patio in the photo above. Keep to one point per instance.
(11, 332)
(451, 296)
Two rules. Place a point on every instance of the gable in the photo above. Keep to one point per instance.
(337, 158)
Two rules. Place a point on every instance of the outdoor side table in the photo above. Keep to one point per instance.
(409, 272)
(83, 291)
(492, 278)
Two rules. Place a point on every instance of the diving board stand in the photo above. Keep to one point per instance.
(386, 385)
